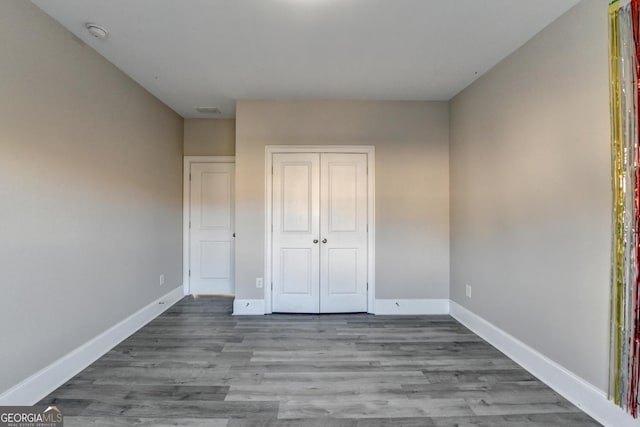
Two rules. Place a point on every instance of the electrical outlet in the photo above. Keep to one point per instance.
(259, 282)
(468, 291)
(161, 279)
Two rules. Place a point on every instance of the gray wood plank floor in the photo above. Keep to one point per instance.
(196, 365)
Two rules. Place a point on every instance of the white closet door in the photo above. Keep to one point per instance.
(343, 231)
(295, 270)
(211, 232)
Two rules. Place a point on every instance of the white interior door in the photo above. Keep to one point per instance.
(319, 233)
(211, 228)
(343, 229)
(296, 230)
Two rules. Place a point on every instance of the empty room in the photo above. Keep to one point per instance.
(339, 213)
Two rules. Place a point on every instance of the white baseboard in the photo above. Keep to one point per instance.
(411, 306)
(584, 395)
(31, 390)
(247, 307)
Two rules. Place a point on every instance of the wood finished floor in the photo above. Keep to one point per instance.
(196, 365)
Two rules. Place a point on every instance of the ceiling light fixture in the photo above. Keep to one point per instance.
(96, 30)
(208, 110)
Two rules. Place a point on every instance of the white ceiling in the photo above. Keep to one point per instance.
(201, 53)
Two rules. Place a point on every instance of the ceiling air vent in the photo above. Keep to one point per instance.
(208, 110)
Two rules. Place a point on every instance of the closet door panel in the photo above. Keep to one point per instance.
(296, 269)
(343, 231)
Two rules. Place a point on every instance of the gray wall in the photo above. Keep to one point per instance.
(412, 192)
(209, 137)
(90, 193)
(531, 190)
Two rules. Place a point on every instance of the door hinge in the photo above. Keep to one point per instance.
(189, 273)
(189, 224)
(271, 170)
(189, 176)
(271, 285)
(367, 228)
(367, 285)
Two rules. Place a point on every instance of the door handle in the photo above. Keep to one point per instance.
(324, 240)
(315, 240)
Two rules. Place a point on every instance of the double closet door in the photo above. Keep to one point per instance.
(319, 232)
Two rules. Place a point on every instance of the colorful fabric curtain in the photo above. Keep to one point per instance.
(624, 52)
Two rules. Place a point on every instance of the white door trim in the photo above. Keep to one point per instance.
(369, 150)
(186, 214)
